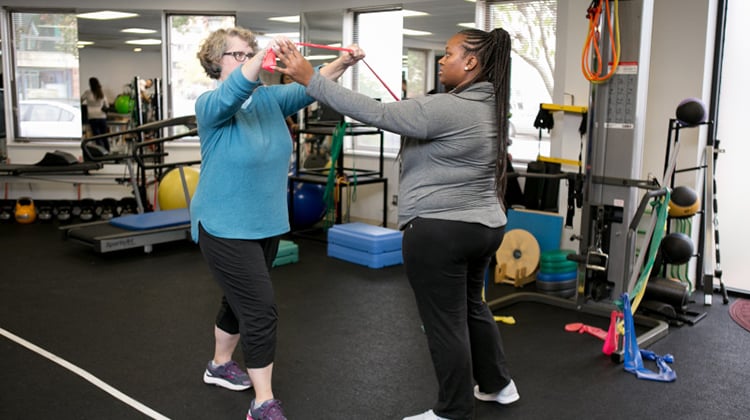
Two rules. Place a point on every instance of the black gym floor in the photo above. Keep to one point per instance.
(138, 330)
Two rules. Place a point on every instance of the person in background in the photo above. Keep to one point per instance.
(450, 206)
(96, 105)
(239, 209)
(146, 91)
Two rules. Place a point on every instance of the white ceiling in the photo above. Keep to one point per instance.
(325, 24)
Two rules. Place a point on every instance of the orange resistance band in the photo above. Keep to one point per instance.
(592, 43)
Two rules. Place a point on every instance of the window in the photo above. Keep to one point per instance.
(45, 71)
(187, 77)
(384, 53)
(415, 69)
(532, 25)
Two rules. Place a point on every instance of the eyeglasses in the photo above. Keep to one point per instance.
(240, 55)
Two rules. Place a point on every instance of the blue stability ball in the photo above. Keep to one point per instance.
(309, 207)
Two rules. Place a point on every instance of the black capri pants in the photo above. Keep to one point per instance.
(241, 267)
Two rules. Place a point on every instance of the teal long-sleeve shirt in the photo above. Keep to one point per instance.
(245, 152)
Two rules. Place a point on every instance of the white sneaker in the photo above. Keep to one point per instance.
(427, 415)
(507, 395)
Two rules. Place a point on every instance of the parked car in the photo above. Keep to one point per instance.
(40, 118)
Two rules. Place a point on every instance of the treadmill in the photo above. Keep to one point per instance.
(145, 228)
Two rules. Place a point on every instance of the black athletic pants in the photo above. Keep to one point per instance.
(445, 262)
(241, 267)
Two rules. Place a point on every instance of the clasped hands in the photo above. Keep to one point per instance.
(298, 68)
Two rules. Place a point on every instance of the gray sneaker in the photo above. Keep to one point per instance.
(269, 410)
(229, 375)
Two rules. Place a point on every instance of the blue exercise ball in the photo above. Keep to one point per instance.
(309, 206)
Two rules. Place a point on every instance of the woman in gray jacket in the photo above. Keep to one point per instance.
(450, 206)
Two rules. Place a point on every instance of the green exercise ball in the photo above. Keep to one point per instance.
(124, 104)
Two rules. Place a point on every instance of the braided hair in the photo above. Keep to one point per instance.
(492, 50)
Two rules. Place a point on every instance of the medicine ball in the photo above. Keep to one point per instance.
(25, 210)
(691, 111)
(676, 248)
(683, 202)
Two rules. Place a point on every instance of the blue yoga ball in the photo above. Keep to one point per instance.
(309, 206)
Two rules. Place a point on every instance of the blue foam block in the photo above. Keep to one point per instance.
(546, 227)
(383, 259)
(152, 220)
(364, 237)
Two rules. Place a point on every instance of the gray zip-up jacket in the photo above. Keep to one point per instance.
(449, 150)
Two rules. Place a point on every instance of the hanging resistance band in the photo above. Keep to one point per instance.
(329, 195)
(639, 289)
(593, 14)
(269, 61)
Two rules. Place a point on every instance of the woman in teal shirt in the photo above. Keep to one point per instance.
(239, 208)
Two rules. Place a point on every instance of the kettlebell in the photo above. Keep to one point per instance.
(25, 210)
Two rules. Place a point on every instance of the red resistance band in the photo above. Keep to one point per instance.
(269, 61)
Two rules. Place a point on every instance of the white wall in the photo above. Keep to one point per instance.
(731, 166)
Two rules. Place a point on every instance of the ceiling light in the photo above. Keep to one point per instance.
(412, 32)
(106, 15)
(137, 49)
(286, 19)
(470, 25)
(145, 41)
(84, 43)
(412, 13)
(138, 31)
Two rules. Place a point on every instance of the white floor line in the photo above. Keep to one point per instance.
(85, 375)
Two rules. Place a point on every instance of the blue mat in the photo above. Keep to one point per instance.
(152, 220)
(546, 227)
